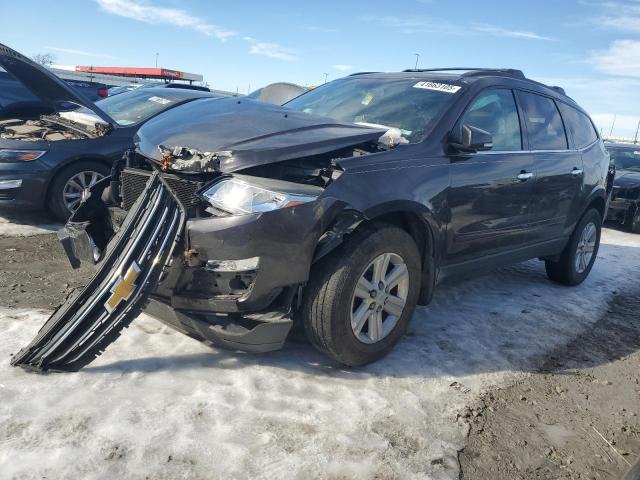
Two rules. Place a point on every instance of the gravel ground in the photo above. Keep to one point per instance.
(545, 424)
(35, 273)
(579, 417)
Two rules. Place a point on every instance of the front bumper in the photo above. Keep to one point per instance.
(160, 263)
(29, 195)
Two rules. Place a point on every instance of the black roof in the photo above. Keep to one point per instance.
(464, 75)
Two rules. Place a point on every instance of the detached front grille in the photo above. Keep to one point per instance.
(133, 182)
(131, 266)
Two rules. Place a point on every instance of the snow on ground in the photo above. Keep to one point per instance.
(26, 224)
(160, 405)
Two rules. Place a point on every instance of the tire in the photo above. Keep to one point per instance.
(567, 270)
(330, 297)
(56, 203)
(633, 223)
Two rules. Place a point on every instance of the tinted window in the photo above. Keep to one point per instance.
(581, 127)
(544, 125)
(408, 105)
(495, 111)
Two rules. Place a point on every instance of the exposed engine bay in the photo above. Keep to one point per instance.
(50, 128)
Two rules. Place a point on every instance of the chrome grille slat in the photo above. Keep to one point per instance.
(82, 327)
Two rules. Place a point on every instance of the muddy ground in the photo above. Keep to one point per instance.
(579, 417)
(35, 273)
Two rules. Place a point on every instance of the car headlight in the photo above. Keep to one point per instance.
(16, 156)
(239, 197)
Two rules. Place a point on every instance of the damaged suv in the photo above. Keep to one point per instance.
(232, 219)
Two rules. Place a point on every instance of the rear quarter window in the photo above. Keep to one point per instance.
(583, 131)
(544, 124)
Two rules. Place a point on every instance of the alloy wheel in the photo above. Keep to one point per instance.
(586, 246)
(72, 191)
(379, 298)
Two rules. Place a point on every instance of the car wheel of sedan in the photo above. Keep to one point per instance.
(65, 193)
(360, 298)
(634, 222)
(579, 255)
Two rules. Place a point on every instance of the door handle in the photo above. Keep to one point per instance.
(524, 176)
(576, 171)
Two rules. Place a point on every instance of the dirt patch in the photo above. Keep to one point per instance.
(35, 272)
(579, 417)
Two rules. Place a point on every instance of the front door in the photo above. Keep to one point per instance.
(491, 192)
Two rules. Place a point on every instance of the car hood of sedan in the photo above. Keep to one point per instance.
(243, 133)
(45, 85)
(627, 179)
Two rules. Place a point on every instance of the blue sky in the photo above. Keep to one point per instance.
(590, 48)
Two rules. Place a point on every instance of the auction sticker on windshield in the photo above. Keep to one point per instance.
(438, 87)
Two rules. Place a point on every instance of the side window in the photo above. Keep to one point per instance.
(584, 133)
(543, 121)
(495, 111)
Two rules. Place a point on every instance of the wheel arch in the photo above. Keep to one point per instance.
(414, 218)
(106, 161)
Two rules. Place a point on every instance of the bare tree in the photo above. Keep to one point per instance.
(44, 58)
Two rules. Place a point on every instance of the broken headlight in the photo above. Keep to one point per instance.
(238, 197)
(17, 156)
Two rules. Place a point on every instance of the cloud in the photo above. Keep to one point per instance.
(155, 15)
(414, 24)
(420, 24)
(622, 16)
(342, 67)
(81, 53)
(622, 58)
(271, 50)
(503, 32)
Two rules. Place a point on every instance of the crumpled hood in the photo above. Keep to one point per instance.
(44, 84)
(627, 179)
(247, 133)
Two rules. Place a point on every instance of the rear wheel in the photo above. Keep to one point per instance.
(66, 189)
(579, 255)
(360, 298)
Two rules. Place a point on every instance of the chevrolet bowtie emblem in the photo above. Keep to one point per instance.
(123, 288)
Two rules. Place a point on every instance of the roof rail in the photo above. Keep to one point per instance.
(560, 90)
(472, 71)
(360, 73)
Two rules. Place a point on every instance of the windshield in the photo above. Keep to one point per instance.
(408, 105)
(626, 159)
(130, 108)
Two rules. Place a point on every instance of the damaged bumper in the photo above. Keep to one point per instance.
(132, 264)
(228, 281)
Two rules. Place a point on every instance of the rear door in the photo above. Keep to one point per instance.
(490, 191)
(559, 169)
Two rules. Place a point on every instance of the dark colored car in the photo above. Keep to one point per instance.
(233, 218)
(625, 200)
(278, 93)
(183, 86)
(50, 160)
(14, 97)
(94, 91)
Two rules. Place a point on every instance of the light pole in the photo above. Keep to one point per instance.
(157, 59)
(613, 124)
(325, 77)
(417, 58)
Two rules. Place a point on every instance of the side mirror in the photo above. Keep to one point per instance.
(471, 139)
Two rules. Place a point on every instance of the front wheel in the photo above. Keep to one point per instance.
(65, 193)
(634, 221)
(360, 298)
(578, 257)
